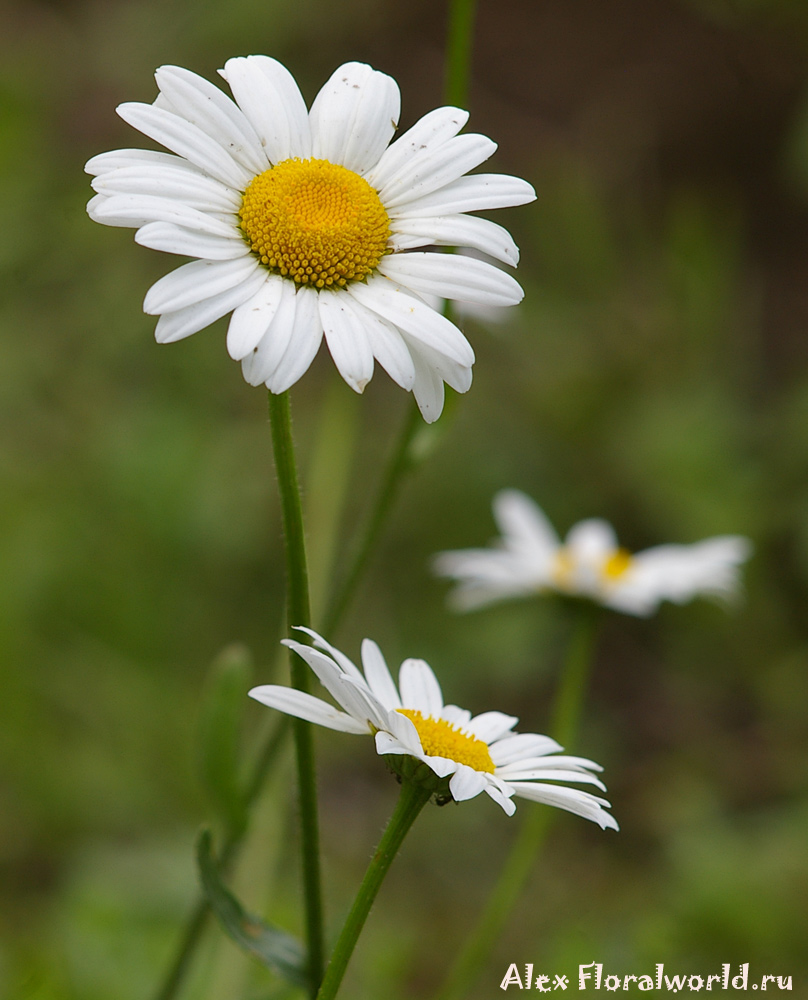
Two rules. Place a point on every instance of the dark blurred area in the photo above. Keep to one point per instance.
(655, 375)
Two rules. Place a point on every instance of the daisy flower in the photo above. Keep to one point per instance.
(456, 754)
(530, 558)
(307, 223)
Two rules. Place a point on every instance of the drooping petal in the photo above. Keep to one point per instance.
(307, 333)
(260, 365)
(270, 98)
(354, 116)
(573, 800)
(251, 321)
(465, 783)
(386, 343)
(347, 339)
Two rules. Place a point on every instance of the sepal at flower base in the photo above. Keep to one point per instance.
(274, 948)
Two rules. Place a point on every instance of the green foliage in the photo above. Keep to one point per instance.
(273, 947)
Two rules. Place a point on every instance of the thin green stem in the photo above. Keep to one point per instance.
(411, 800)
(400, 462)
(533, 831)
(458, 52)
(298, 613)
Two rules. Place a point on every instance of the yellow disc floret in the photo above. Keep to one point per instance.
(440, 738)
(315, 222)
(617, 564)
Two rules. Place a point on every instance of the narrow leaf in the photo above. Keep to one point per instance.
(273, 947)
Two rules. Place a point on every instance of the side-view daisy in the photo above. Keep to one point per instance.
(307, 223)
(530, 558)
(458, 754)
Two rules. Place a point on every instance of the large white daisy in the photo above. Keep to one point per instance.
(530, 557)
(307, 223)
(461, 755)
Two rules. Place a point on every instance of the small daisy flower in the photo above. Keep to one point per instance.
(307, 223)
(530, 558)
(456, 755)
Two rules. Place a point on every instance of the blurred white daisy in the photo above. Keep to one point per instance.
(304, 223)
(441, 745)
(530, 558)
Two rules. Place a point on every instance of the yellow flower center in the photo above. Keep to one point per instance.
(315, 222)
(440, 738)
(617, 564)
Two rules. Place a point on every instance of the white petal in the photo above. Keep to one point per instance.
(491, 726)
(171, 238)
(269, 96)
(456, 231)
(465, 783)
(501, 799)
(260, 365)
(354, 116)
(252, 319)
(307, 333)
(386, 343)
(354, 698)
(345, 663)
(429, 132)
(591, 541)
(420, 688)
(346, 337)
(378, 675)
(305, 706)
(427, 389)
(413, 316)
(470, 194)
(514, 748)
(450, 371)
(117, 159)
(452, 276)
(181, 182)
(204, 105)
(547, 774)
(436, 168)
(183, 322)
(201, 279)
(524, 526)
(187, 140)
(136, 210)
(571, 799)
(456, 716)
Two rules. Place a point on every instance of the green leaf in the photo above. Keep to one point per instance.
(220, 728)
(273, 947)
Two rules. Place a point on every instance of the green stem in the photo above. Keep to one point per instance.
(298, 613)
(458, 52)
(400, 462)
(533, 831)
(411, 800)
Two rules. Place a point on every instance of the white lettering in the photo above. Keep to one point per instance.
(676, 983)
(627, 979)
(646, 983)
(540, 981)
(711, 979)
(783, 983)
(511, 978)
(613, 983)
(583, 976)
(739, 981)
(690, 985)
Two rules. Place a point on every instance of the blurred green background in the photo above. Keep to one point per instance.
(655, 375)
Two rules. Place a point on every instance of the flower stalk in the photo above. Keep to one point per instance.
(298, 613)
(412, 799)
